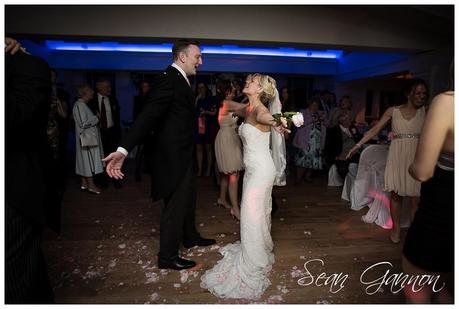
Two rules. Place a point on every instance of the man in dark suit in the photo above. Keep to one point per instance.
(340, 139)
(169, 111)
(108, 110)
(30, 197)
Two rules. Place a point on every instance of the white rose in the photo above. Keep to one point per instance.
(298, 120)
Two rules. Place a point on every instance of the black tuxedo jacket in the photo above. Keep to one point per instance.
(334, 142)
(94, 106)
(28, 181)
(169, 112)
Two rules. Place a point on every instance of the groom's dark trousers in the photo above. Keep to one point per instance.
(169, 112)
(178, 216)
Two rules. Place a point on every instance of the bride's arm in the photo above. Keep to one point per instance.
(237, 109)
(263, 116)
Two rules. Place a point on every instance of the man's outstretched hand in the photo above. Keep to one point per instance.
(12, 46)
(114, 164)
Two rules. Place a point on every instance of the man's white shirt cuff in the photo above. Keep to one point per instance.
(123, 151)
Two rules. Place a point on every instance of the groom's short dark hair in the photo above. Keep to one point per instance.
(181, 45)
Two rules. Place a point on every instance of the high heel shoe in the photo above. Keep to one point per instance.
(235, 217)
(94, 191)
(394, 239)
(223, 204)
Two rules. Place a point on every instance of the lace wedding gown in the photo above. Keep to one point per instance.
(243, 270)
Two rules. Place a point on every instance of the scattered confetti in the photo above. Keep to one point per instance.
(214, 247)
(296, 273)
(164, 272)
(112, 263)
(274, 299)
(154, 297)
(152, 277)
(183, 276)
(324, 302)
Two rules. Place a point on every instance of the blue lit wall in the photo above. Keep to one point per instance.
(223, 58)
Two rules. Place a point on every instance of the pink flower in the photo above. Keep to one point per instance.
(390, 136)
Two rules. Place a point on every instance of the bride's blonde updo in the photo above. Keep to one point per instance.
(268, 84)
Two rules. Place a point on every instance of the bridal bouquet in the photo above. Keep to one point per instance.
(288, 118)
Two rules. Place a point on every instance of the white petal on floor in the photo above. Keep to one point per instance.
(152, 277)
(154, 297)
(122, 246)
(183, 276)
(177, 285)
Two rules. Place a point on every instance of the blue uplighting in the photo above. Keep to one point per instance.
(206, 49)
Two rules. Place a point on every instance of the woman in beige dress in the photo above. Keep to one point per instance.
(407, 121)
(228, 153)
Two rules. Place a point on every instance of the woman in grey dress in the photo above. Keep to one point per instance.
(88, 159)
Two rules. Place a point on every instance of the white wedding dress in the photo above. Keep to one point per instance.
(243, 270)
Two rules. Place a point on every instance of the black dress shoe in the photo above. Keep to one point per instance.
(176, 263)
(201, 242)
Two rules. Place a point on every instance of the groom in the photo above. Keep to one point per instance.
(169, 111)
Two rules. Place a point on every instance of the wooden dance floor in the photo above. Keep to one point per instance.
(107, 250)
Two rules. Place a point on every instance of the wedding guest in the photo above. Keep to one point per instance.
(407, 120)
(88, 159)
(309, 141)
(345, 105)
(325, 101)
(169, 111)
(30, 197)
(228, 153)
(340, 139)
(106, 106)
(139, 103)
(206, 112)
(429, 244)
(239, 96)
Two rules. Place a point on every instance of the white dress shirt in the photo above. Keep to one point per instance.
(108, 109)
(346, 130)
(181, 71)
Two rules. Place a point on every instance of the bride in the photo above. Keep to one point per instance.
(243, 270)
